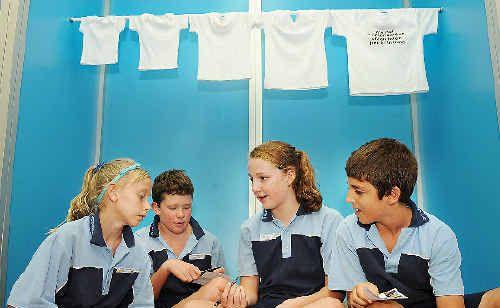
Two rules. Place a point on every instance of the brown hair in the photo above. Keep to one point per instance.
(284, 156)
(172, 182)
(385, 163)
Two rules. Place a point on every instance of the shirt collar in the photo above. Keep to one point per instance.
(97, 237)
(154, 231)
(418, 217)
(267, 215)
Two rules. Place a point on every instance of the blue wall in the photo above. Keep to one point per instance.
(328, 123)
(56, 127)
(167, 119)
(460, 137)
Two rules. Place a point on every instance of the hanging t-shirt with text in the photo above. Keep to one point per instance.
(224, 45)
(159, 39)
(385, 48)
(295, 49)
(100, 39)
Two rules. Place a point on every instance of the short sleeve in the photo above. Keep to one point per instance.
(217, 255)
(84, 24)
(246, 261)
(119, 22)
(328, 232)
(341, 21)
(345, 270)
(143, 290)
(182, 21)
(194, 23)
(444, 264)
(428, 20)
(134, 23)
(45, 274)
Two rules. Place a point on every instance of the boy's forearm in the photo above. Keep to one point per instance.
(158, 280)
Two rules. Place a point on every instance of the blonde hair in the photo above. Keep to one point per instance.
(283, 156)
(95, 180)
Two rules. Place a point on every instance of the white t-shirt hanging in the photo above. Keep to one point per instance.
(223, 45)
(385, 48)
(100, 39)
(159, 39)
(295, 56)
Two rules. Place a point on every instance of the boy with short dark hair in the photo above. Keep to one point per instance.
(390, 243)
(179, 248)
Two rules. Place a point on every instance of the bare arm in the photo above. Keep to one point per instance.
(251, 286)
(186, 272)
(450, 301)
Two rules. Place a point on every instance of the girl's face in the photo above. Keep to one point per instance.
(174, 212)
(270, 185)
(133, 205)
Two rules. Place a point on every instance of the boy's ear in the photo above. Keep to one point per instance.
(156, 208)
(393, 196)
(290, 174)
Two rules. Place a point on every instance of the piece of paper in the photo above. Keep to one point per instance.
(390, 295)
(207, 276)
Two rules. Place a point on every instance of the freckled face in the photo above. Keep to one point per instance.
(175, 212)
(270, 185)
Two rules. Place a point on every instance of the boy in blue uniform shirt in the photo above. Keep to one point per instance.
(178, 246)
(390, 243)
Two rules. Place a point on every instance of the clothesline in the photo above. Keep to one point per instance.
(78, 19)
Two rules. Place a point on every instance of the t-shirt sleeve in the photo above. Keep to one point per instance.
(341, 21)
(217, 255)
(194, 23)
(328, 232)
(118, 22)
(143, 291)
(246, 261)
(182, 21)
(427, 20)
(46, 273)
(134, 23)
(84, 25)
(444, 264)
(345, 270)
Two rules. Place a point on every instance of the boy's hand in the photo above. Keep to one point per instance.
(358, 298)
(220, 270)
(233, 296)
(186, 272)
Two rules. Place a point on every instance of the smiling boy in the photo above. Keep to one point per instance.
(390, 243)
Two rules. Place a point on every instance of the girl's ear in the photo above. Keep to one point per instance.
(156, 208)
(113, 192)
(291, 174)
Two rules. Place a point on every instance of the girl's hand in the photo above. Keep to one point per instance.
(233, 296)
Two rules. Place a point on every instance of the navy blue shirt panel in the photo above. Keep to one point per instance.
(424, 263)
(289, 260)
(202, 250)
(73, 267)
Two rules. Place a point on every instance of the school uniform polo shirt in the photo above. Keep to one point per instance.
(424, 263)
(202, 250)
(73, 267)
(291, 260)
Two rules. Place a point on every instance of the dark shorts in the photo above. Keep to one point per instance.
(473, 300)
